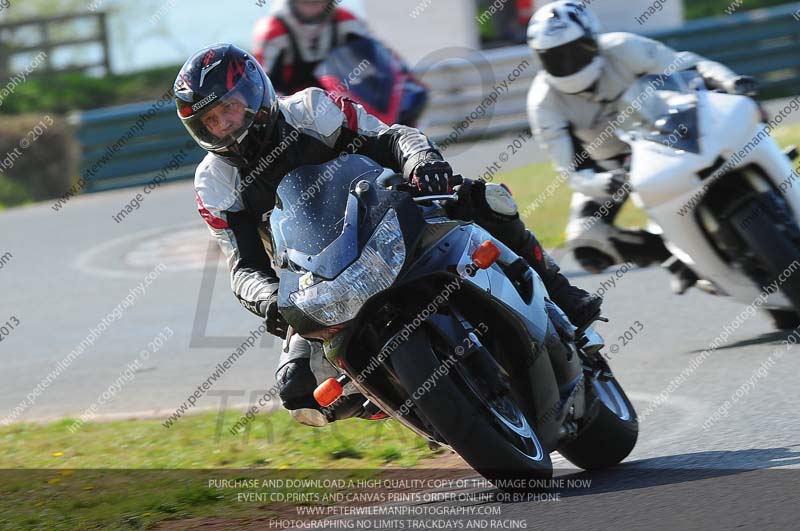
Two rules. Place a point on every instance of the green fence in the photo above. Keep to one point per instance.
(133, 144)
(764, 43)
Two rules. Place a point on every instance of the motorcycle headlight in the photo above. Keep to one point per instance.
(336, 301)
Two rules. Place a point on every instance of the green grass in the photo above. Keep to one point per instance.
(64, 92)
(787, 135)
(12, 193)
(274, 441)
(97, 478)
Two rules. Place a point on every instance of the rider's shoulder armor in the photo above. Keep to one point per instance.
(313, 113)
(631, 54)
(216, 183)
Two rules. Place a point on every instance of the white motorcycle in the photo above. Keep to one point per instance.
(718, 188)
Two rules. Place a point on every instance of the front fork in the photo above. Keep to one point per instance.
(472, 351)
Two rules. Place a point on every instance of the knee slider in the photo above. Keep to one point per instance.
(494, 206)
(499, 200)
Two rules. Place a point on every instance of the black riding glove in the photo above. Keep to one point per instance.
(276, 325)
(743, 86)
(431, 177)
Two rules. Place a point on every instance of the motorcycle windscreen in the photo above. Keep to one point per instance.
(364, 69)
(664, 109)
(315, 220)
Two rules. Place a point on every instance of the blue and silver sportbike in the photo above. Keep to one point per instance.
(440, 326)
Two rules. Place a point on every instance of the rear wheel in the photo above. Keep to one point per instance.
(611, 435)
(490, 433)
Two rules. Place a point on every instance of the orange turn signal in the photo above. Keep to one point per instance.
(485, 255)
(328, 392)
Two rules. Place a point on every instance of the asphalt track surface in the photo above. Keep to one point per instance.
(70, 269)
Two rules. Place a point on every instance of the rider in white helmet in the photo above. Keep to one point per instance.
(571, 102)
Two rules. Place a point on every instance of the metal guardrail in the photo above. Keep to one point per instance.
(764, 43)
(115, 152)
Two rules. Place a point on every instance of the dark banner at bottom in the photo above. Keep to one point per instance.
(628, 497)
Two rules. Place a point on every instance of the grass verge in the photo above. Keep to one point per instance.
(133, 474)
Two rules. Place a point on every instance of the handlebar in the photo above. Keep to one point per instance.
(455, 180)
(444, 197)
(390, 180)
(394, 179)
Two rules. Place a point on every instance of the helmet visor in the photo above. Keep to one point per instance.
(570, 58)
(226, 120)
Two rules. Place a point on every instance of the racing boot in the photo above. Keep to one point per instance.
(347, 407)
(296, 384)
(641, 247)
(683, 277)
(644, 248)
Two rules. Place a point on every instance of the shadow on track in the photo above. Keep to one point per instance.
(675, 470)
(774, 338)
(739, 489)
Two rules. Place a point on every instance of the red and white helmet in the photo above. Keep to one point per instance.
(564, 36)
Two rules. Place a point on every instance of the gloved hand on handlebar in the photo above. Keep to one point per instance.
(742, 86)
(432, 177)
(598, 184)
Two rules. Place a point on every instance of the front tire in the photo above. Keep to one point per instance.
(458, 415)
(611, 435)
(776, 248)
(784, 319)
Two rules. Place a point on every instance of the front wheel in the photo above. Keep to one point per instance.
(784, 319)
(773, 239)
(491, 434)
(611, 435)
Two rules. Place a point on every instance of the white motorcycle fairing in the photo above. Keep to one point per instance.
(667, 184)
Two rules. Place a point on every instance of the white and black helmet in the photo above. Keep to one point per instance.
(564, 36)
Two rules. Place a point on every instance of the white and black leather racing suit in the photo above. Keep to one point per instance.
(565, 125)
(315, 127)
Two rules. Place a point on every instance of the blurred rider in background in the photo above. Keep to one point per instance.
(573, 99)
(298, 35)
